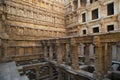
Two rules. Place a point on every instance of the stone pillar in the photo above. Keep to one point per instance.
(51, 72)
(37, 73)
(92, 51)
(114, 53)
(74, 46)
(4, 50)
(99, 69)
(79, 50)
(87, 54)
(67, 52)
(75, 77)
(99, 65)
(59, 53)
(72, 5)
(0, 48)
(105, 52)
(109, 57)
(59, 74)
(17, 51)
(51, 53)
(79, 4)
(45, 52)
(66, 76)
(88, 2)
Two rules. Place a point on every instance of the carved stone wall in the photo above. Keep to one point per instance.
(74, 18)
(24, 22)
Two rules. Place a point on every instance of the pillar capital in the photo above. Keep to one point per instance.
(97, 41)
(57, 43)
(44, 43)
(73, 42)
(49, 43)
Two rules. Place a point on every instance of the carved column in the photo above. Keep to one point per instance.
(87, 54)
(79, 4)
(67, 52)
(72, 5)
(109, 57)
(74, 46)
(37, 73)
(79, 50)
(59, 74)
(88, 2)
(0, 48)
(99, 65)
(59, 53)
(4, 50)
(45, 52)
(75, 77)
(51, 53)
(106, 57)
(51, 72)
(17, 51)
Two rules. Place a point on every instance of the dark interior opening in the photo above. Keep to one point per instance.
(110, 9)
(110, 28)
(84, 17)
(95, 14)
(84, 31)
(96, 30)
(91, 1)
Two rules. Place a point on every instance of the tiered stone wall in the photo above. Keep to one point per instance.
(24, 22)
